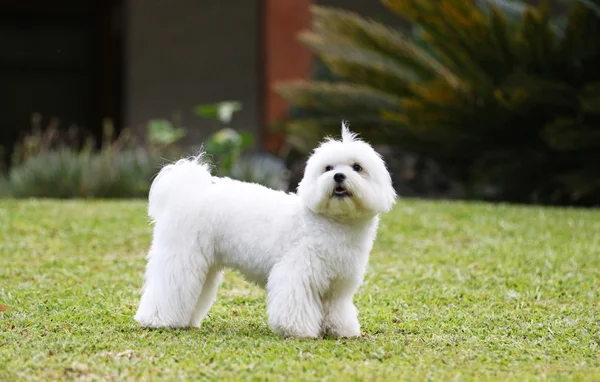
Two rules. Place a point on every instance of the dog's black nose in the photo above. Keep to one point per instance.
(339, 177)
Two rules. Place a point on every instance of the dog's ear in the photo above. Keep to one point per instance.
(347, 135)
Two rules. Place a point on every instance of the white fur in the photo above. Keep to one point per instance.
(309, 250)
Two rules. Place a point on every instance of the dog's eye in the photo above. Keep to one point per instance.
(356, 167)
(328, 168)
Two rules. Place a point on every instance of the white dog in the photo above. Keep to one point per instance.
(310, 249)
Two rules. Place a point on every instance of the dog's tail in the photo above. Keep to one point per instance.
(177, 184)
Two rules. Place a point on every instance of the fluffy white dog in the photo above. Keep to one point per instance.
(310, 249)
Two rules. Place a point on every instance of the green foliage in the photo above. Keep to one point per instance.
(47, 166)
(163, 133)
(5, 191)
(228, 149)
(263, 169)
(55, 164)
(42, 140)
(71, 174)
(501, 95)
(51, 163)
(221, 111)
(225, 147)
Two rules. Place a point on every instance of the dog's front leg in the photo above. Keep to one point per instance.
(341, 316)
(293, 304)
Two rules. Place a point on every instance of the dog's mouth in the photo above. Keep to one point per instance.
(340, 192)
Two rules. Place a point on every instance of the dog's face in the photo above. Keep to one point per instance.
(346, 178)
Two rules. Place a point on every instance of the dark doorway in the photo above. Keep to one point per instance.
(63, 60)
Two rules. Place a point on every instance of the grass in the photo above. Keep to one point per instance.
(455, 291)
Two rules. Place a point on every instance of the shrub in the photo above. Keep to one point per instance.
(67, 173)
(48, 165)
(56, 164)
(4, 188)
(229, 150)
(506, 97)
(262, 168)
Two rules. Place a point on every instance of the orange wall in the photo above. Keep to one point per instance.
(283, 56)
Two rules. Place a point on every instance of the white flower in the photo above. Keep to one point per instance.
(226, 110)
(227, 135)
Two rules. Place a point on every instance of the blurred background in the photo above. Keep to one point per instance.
(492, 100)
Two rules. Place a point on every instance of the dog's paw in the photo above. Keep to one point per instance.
(150, 322)
(344, 333)
(350, 330)
(155, 322)
(292, 331)
(301, 335)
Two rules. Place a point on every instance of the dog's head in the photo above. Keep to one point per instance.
(346, 178)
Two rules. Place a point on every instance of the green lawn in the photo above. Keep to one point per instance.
(454, 291)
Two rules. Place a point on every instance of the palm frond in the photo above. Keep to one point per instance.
(376, 36)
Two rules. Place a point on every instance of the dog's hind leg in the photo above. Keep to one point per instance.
(176, 272)
(207, 296)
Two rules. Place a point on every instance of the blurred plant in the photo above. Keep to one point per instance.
(52, 164)
(225, 147)
(56, 164)
(500, 97)
(66, 173)
(262, 168)
(162, 133)
(45, 139)
(229, 148)
(221, 111)
(163, 137)
(5, 191)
